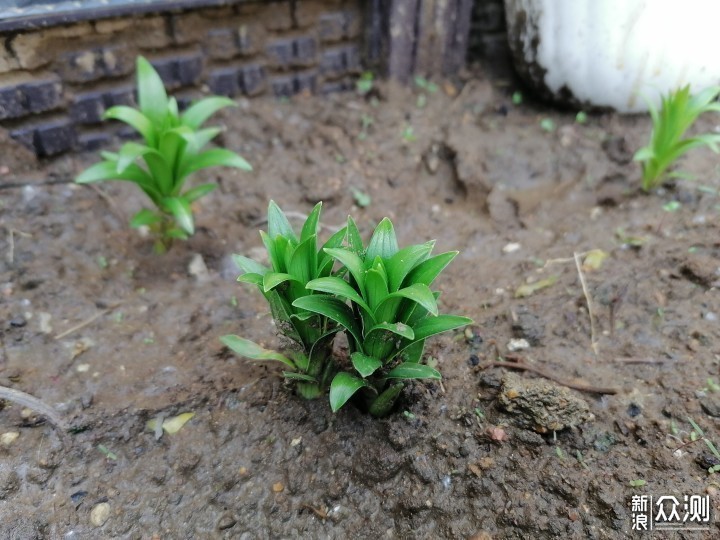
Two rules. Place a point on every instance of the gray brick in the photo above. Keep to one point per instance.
(306, 81)
(11, 103)
(224, 82)
(115, 61)
(87, 108)
(93, 141)
(120, 96)
(247, 39)
(80, 66)
(304, 51)
(165, 67)
(283, 86)
(221, 43)
(280, 53)
(332, 63)
(42, 96)
(54, 138)
(252, 79)
(352, 58)
(331, 27)
(335, 87)
(24, 135)
(189, 69)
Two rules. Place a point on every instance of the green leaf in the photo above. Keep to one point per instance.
(413, 352)
(419, 293)
(400, 264)
(412, 370)
(376, 288)
(338, 287)
(430, 326)
(180, 208)
(129, 152)
(402, 330)
(193, 194)
(161, 172)
(302, 263)
(334, 309)
(107, 170)
(428, 270)
(197, 139)
(342, 388)
(299, 376)
(354, 241)
(251, 277)
(152, 97)
(217, 157)
(334, 241)
(365, 365)
(310, 228)
(273, 279)
(352, 262)
(248, 265)
(383, 403)
(136, 120)
(200, 111)
(250, 349)
(278, 224)
(383, 243)
(145, 217)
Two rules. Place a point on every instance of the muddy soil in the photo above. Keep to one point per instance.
(112, 336)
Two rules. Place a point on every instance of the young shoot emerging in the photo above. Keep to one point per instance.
(171, 151)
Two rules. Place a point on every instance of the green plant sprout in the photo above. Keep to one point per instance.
(392, 312)
(408, 134)
(293, 263)
(678, 111)
(365, 121)
(365, 83)
(698, 433)
(172, 151)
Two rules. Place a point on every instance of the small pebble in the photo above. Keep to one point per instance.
(83, 368)
(45, 326)
(100, 514)
(511, 247)
(518, 345)
(198, 269)
(473, 360)
(278, 487)
(18, 322)
(9, 437)
(710, 316)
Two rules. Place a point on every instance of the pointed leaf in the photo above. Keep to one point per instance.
(365, 365)
(342, 388)
(250, 349)
(183, 214)
(376, 288)
(402, 330)
(354, 240)
(338, 287)
(419, 293)
(200, 111)
(273, 279)
(134, 119)
(436, 325)
(248, 265)
(302, 263)
(413, 371)
(352, 262)
(334, 309)
(251, 277)
(217, 157)
(144, 217)
(413, 352)
(152, 97)
(428, 270)
(193, 194)
(383, 243)
(382, 404)
(299, 376)
(129, 152)
(278, 224)
(400, 264)
(310, 228)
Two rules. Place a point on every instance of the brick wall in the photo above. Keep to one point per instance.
(55, 83)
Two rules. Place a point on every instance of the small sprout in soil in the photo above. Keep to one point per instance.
(421, 101)
(479, 413)
(712, 385)
(234, 301)
(547, 124)
(365, 83)
(698, 433)
(678, 112)
(517, 98)
(366, 121)
(581, 459)
(672, 206)
(581, 117)
(424, 84)
(408, 134)
(172, 150)
(148, 341)
(339, 158)
(119, 316)
(392, 312)
(107, 453)
(102, 262)
(408, 415)
(362, 199)
(637, 483)
(559, 453)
